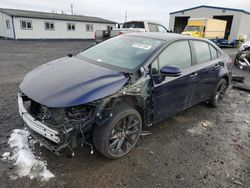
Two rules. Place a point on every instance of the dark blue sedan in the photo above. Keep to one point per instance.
(105, 95)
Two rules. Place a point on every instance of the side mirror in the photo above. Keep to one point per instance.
(170, 71)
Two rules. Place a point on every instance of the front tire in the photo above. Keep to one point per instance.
(119, 135)
(219, 93)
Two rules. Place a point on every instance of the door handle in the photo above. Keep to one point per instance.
(193, 75)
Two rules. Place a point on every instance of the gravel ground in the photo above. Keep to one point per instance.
(200, 147)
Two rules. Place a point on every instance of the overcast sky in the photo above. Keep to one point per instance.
(156, 10)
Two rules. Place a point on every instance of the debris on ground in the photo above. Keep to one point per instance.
(199, 130)
(158, 184)
(242, 87)
(238, 78)
(26, 164)
(245, 121)
(5, 155)
(179, 177)
(151, 152)
(206, 124)
(180, 119)
(145, 133)
(237, 182)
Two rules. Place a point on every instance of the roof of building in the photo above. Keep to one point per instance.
(212, 7)
(53, 16)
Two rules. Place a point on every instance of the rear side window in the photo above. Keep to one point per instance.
(177, 54)
(152, 27)
(133, 25)
(202, 51)
(214, 53)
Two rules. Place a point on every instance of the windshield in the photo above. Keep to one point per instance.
(133, 25)
(125, 52)
(192, 28)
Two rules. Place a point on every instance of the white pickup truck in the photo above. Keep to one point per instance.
(128, 27)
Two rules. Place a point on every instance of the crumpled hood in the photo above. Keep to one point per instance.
(69, 82)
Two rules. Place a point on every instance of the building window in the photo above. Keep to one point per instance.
(8, 24)
(109, 28)
(49, 26)
(89, 28)
(71, 27)
(26, 24)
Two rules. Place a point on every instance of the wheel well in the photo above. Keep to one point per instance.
(134, 103)
(227, 79)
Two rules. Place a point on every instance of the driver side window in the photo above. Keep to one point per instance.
(176, 54)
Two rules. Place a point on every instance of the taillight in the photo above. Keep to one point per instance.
(120, 33)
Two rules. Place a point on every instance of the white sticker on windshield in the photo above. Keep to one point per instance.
(141, 46)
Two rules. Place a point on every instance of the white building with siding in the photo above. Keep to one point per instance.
(237, 20)
(22, 24)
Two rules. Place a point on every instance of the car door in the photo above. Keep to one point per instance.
(207, 69)
(172, 94)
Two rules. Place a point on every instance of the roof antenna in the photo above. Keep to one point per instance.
(72, 8)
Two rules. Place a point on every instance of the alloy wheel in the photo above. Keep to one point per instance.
(124, 135)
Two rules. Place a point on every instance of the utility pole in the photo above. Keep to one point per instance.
(72, 8)
(126, 16)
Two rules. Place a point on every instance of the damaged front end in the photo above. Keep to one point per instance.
(242, 59)
(58, 128)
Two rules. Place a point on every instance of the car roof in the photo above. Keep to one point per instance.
(148, 21)
(163, 36)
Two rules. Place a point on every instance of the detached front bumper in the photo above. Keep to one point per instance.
(35, 125)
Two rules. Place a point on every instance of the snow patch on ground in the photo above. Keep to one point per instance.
(25, 162)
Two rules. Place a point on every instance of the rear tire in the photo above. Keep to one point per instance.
(237, 59)
(119, 135)
(219, 93)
